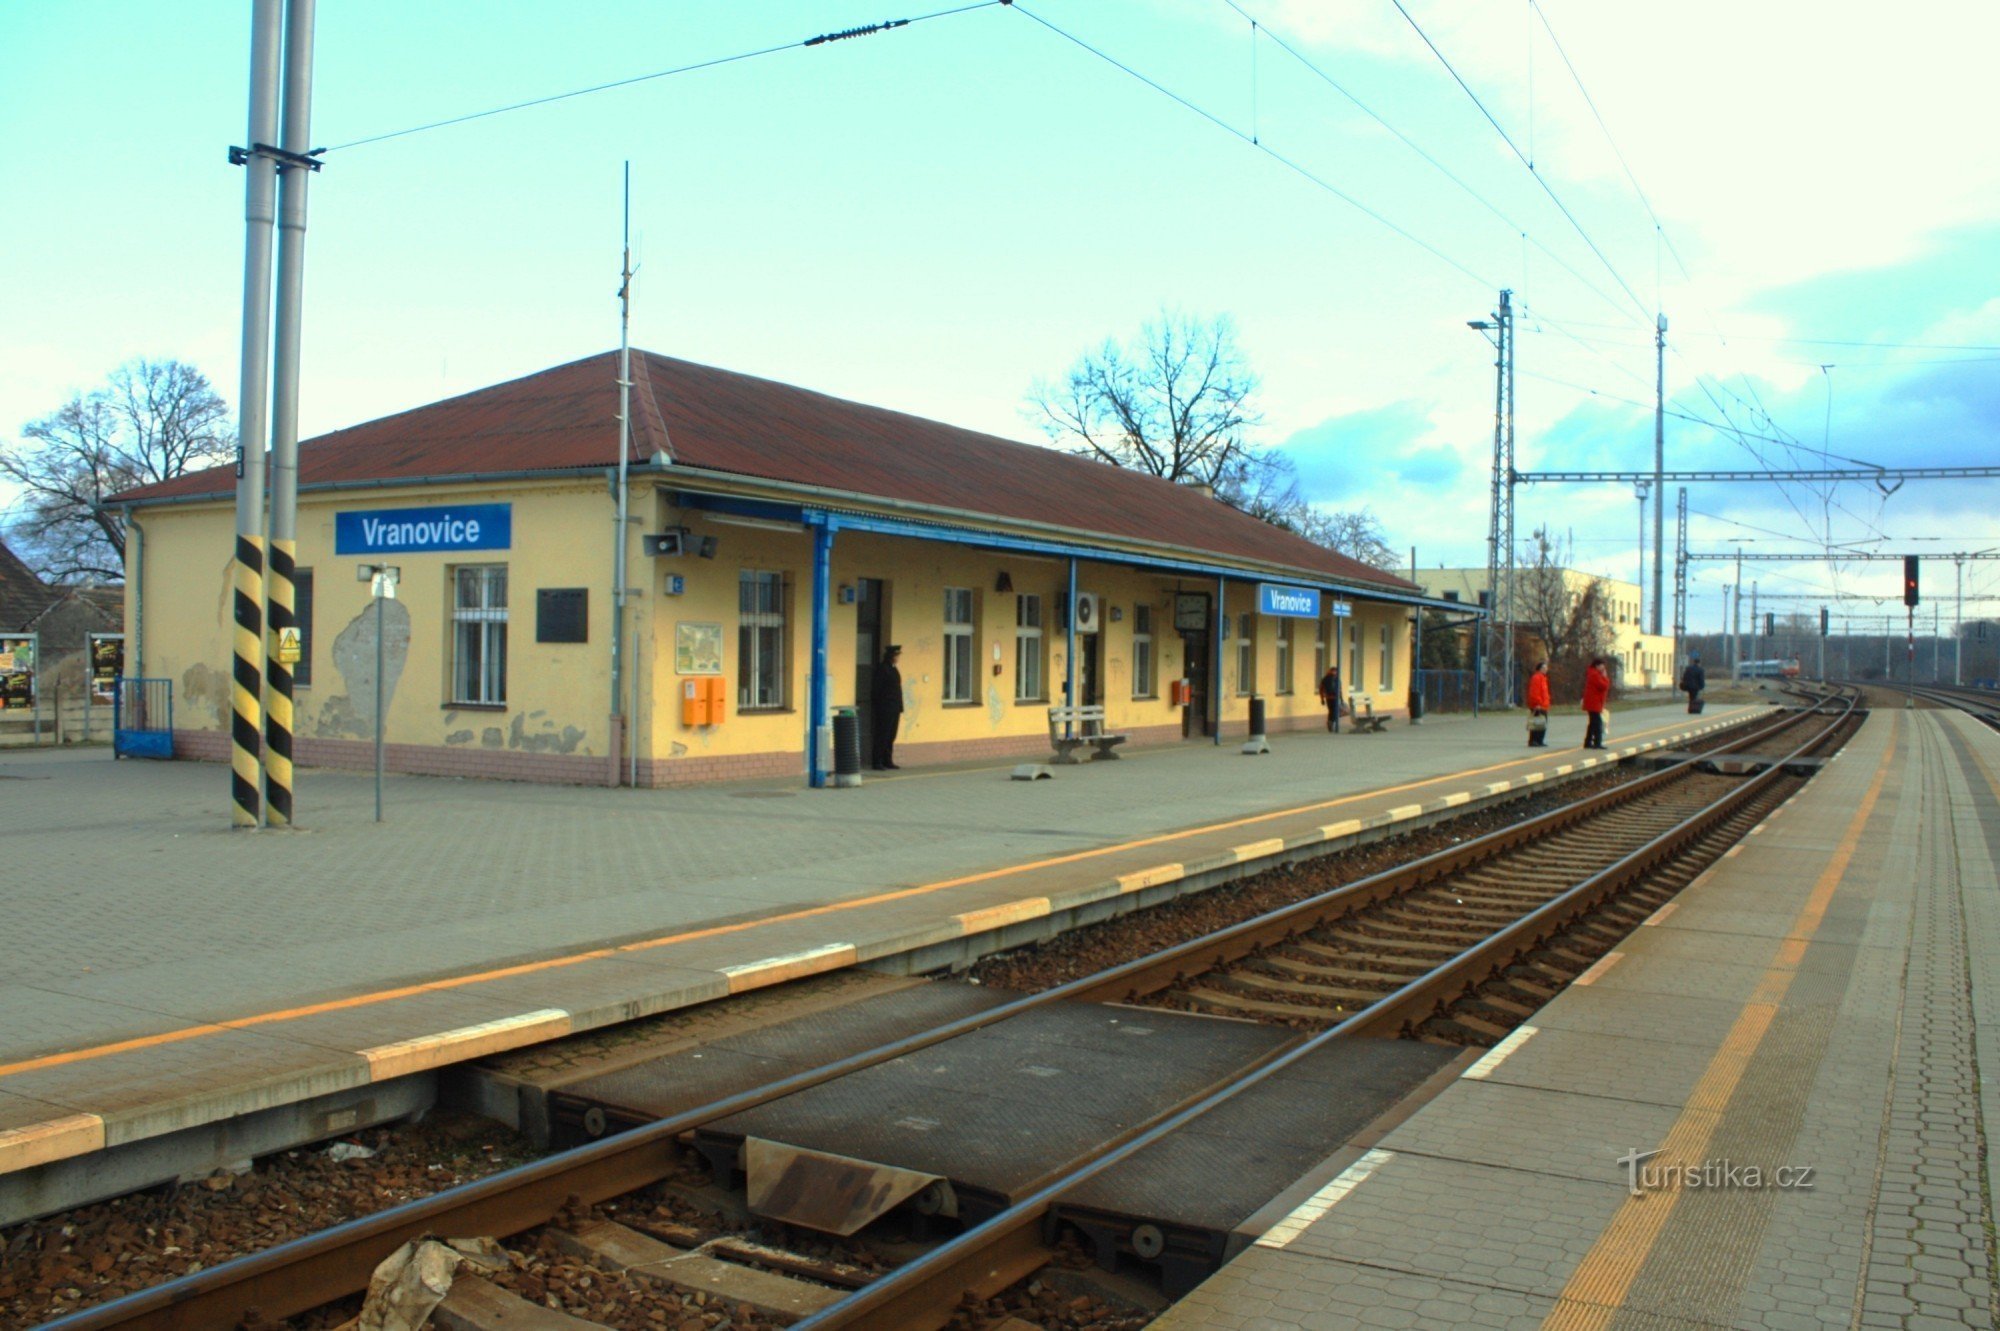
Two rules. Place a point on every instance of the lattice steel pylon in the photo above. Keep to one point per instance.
(1500, 520)
(1680, 579)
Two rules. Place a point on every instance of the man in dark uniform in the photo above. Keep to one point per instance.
(1693, 680)
(888, 709)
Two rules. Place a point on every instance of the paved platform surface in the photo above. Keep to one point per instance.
(1825, 998)
(165, 972)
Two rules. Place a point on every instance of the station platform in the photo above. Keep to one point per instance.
(1767, 1108)
(169, 978)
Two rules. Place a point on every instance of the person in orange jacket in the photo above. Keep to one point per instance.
(1538, 706)
(1596, 692)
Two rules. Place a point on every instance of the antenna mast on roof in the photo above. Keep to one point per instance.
(621, 537)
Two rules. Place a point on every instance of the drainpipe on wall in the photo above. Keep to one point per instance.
(135, 573)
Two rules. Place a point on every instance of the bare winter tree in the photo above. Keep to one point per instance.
(1354, 532)
(1175, 403)
(1568, 621)
(151, 421)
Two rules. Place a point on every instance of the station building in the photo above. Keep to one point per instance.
(777, 540)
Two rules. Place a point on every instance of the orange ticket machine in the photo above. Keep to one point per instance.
(703, 701)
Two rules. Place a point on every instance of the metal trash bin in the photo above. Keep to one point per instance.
(846, 747)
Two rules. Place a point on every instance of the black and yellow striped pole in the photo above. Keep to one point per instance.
(260, 198)
(295, 168)
(245, 739)
(283, 656)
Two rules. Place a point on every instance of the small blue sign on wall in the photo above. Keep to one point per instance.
(395, 531)
(1292, 602)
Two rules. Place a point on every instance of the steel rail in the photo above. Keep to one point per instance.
(317, 1268)
(888, 1304)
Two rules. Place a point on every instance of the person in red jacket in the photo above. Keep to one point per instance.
(1538, 706)
(1596, 692)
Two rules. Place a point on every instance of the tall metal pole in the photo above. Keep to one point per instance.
(1736, 617)
(1958, 630)
(1757, 643)
(1507, 519)
(294, 172)
(1497, 553)
(381, 587)
(619, 537)
(1680, 579)
(1659, 461)
(253, 389)
(1640, 489)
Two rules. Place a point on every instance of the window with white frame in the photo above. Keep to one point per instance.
(1322, 646)
(1246, 653)
(1028, 649)
(1355, 681)
(1142, 651)
(958, 644)
(479, 635)
(1387, 673)
(760, 640)
(1284, 657)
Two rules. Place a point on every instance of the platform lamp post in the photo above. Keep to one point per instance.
(381, 580)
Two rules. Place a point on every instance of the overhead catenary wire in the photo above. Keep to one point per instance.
(1320, 73)
(1233, 131)
(821, 39)
(1526, 161)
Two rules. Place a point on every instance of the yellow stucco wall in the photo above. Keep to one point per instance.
(558, 695)
(558, 698)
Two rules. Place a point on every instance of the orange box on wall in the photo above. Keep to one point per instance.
(703, 701)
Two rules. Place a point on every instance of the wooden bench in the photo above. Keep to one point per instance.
(1085, 726)
(1366, 722)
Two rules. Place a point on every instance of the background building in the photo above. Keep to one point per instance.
(1645, 660)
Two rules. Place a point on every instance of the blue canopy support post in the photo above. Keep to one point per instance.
(1069, 654)
(1340, 656)
(1221, 632)
(817, 718)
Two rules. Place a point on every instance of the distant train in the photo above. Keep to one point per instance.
(1785, 669)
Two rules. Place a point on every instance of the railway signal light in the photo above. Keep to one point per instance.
(1909, 579)
(1770, 624)
(1822, 621)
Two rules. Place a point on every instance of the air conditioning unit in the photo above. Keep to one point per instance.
(1088, 612)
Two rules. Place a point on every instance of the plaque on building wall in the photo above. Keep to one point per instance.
(562, 614)
(697, 649)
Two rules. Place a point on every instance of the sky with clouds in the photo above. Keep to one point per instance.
(932, 217)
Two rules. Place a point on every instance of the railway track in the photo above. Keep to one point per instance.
(1982, 704)
(1454, 948)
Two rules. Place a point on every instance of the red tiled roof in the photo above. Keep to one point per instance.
(23, 594)
(566, 419)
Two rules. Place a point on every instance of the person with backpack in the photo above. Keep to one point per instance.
(1329, 693)
(1693, 680)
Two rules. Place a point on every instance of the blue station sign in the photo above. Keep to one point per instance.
(396, 531)
(1292, 602)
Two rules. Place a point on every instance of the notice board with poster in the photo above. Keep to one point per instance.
(697, 648)
(17, 670)
(107, 663)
